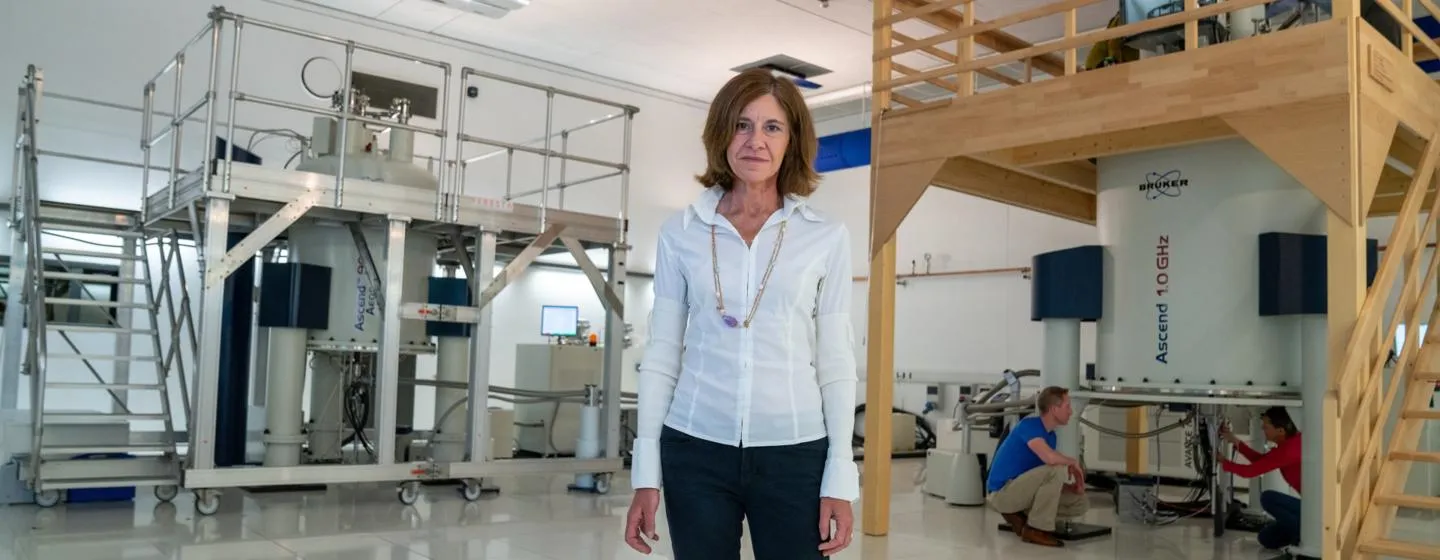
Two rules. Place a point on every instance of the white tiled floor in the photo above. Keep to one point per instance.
(533, 519)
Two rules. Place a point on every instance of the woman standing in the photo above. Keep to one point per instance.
(747, 387)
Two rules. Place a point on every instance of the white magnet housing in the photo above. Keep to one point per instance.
(1181, 231)
(354, 302)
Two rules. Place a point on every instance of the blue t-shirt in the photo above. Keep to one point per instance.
(1014, 457)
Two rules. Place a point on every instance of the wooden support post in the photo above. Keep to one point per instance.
(1070, 54)
(1137, 451)
(880, 337)
(879, 392)
(1407, 40)
(1192, 27)
(1346, 290)
(967, 53)
(1346, 294)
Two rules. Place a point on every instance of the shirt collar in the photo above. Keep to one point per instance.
(705, 208)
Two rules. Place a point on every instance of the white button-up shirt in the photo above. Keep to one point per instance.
(789, 378)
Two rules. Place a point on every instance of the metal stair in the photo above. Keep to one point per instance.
(84, 448)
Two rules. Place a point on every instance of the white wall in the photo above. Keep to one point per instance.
(108, 50)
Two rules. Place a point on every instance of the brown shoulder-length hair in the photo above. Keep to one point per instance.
(797, 171)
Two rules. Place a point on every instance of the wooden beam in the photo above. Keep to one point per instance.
(996, 40)
(937, 82)
(949, 58)
(1310, 140)
(1081, 149)
(1377, 134)
(1078, 175)
(1167, 91)
(1392, 184)
(1407, 147)
(1390, 205)
(894, 194)
(927, 8)
(977, 178)
(1390, 194)
(1401, 88)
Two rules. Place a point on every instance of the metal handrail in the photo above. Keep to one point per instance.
(342, 111)
(37, 349)
(546, 152)
(451, 172)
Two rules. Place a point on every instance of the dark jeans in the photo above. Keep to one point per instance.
(1285, 530)
(709, 489)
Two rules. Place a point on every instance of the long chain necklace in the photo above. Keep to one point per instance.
(730, 320)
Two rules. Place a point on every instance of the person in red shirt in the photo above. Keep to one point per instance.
(1285, 509)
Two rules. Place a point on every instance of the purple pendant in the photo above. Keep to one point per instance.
(730, 321)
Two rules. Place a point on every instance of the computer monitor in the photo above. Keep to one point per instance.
(559, 320)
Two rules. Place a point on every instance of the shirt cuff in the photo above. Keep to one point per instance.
(645, 463)
(842, 478)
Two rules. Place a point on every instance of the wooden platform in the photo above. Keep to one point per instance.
(1333, 103)
(1030, 146)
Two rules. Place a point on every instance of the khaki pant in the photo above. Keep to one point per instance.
(1039, 493)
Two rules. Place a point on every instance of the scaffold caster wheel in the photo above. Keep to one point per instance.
(471, 489)
(207, 502)
(48, 498)
(408, 492)
(602, 483)
(167, 492)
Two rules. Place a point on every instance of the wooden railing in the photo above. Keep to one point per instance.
(938, 42)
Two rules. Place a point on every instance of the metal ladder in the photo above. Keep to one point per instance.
(73, 449)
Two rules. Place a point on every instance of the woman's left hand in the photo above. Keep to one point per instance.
(834, 540)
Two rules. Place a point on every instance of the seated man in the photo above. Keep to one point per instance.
(1027, 482)
(1280, 430)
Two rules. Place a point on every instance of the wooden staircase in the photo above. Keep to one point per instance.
(1373, 466)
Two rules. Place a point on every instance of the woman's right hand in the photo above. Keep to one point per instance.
(640, 522)
(1228, 435)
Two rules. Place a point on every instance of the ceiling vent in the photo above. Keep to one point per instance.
(801, 72)
(488, 8)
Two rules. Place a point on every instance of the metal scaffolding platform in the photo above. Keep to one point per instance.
(208, 200)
